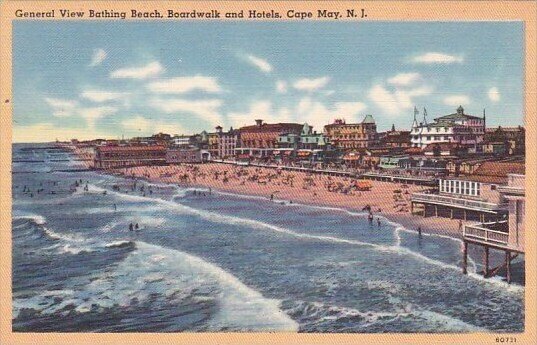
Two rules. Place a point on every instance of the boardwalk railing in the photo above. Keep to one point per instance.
(455, 201)
(285, 167)
(484, 233)
(398, 176)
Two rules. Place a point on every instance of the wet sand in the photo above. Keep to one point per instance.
(299, 187)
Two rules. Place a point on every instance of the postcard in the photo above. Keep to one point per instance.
(267, 172)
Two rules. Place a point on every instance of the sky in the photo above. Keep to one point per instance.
(133, 78)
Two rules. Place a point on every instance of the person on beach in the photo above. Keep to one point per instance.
(136, 227)
(131, 227)
(419, 231)
(378, 222)
(115, 207)
(271, 197)
(370, 218)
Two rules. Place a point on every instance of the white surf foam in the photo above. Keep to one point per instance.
(227, 219)
(174, 275)
(36, 218)
(241, 307)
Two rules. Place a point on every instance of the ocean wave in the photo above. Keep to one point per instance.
(241, 307)
(255, 224)
(445, 323)
(153, 273)
(120, 244)
(35, 218)
(319, 316)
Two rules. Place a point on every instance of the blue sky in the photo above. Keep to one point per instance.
(107, 79)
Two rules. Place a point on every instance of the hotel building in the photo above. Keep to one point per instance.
(458, 128)
(226, 142)
(473, 197)
(126, 156)
(349, 136)
(261, 139)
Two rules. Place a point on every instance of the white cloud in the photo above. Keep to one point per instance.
(260, 63)
(143, 126)
(494, 94)
(65, 108)
(384, 99)
(438, 58)
(207, 109)
(93, 114)
(137, 123)
(168, 127)
(404, 79)
(46, 132)
(150, 70)
(98, 57)
(398, 101)
(100, 96)
(307, 84)
(62, 107)
(308, 110)
(456, 100)
(318, 114)
(261, 109)
(281, 86)
(181, 85)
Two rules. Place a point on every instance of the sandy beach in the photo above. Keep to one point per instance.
(388, 200)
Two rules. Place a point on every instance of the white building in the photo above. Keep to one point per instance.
(458, 128)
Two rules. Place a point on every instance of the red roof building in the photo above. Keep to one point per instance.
(125, 156)
(262, 138)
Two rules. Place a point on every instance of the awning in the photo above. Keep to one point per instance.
(363, 184)
(351, 158)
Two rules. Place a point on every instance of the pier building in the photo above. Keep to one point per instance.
(506, 235)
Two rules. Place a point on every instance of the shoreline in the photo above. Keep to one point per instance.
(240, 181)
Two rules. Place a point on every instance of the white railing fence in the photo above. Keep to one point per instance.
(481, 232)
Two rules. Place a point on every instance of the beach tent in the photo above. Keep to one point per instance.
(364, 185)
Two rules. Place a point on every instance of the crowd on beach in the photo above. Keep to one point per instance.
(278, 185)
(383, 199)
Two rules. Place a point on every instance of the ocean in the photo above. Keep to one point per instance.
(208, 261)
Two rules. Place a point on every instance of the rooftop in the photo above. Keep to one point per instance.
(459, 115)
(496, 172)
(273, 126)
(443, 146)
(131, 148)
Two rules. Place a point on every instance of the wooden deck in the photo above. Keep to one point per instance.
(492, 235)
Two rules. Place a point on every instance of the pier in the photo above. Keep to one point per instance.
(506, 235)
(490, 236)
